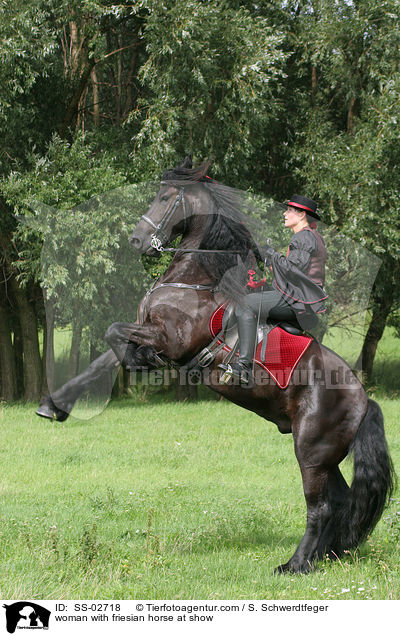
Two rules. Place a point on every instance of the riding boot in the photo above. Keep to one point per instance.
(247, 329)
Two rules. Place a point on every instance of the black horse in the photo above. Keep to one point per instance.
(327, 422)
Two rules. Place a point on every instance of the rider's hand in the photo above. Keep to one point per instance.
(267, 253)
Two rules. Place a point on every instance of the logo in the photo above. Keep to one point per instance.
(26, 615)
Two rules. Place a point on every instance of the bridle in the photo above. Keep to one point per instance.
(160, 237)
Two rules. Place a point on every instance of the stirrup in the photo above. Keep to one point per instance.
(235, 370)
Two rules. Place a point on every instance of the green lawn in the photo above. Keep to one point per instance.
(386, 372)
(159, 500)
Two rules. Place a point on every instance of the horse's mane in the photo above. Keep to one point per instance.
(186, 172)
(226, 229)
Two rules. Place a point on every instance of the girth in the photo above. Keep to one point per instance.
(153, 288)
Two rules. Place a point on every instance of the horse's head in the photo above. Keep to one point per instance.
(164, 221)
(181, 196)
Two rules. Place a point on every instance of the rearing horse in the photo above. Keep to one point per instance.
(327, 423)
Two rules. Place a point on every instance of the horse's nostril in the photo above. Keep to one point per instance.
(135, 242)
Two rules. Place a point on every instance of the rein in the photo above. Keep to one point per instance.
(178, 249)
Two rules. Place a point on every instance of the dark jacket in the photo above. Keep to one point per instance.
(300, 275)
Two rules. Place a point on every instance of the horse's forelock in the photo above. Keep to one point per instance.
(185, 172)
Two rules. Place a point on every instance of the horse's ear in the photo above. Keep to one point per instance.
(187, 163)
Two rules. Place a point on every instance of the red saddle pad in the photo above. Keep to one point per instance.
(283, 352)
(215, 323)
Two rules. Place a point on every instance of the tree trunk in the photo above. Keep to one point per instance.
(126, 379)
(94, 352)
(80, 66)
(30, 343)
(48, 350)
(8, 375)
(18, 357)
(75, 48)
(352, 113)
(73, 107)
(96, 97)
(375, 331)
(118, 386)
(129, 81)
(73, 362)
(313, 84)
(119, 87)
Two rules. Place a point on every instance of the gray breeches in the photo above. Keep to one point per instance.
(261, 304)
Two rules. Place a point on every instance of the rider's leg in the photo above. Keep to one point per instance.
(254, 305)
(247, 329)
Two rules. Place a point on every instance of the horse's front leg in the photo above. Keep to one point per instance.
(137, 345)
(59, 404)
(118, 337)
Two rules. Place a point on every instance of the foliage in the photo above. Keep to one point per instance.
(212, 77)
(347, 154)
(27, 48)
(74, 242)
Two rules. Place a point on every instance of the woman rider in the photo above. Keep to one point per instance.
(297, 292)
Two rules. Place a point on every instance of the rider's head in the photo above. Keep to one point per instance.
(305, 204)
(301, 211)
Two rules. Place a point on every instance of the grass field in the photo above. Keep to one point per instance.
(155, 500)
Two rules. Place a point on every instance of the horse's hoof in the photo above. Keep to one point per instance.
(50, 411)
(290, 568)
(45, 411)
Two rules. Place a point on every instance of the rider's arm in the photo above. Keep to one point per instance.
(302, 246)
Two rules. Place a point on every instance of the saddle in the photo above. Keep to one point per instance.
(281, 342)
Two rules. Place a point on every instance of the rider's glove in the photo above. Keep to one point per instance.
(267, 253)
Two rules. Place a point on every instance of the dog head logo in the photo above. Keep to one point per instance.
(26, 615)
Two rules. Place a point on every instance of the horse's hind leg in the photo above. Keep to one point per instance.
(315, 485)
(325, 491)
(338, 490)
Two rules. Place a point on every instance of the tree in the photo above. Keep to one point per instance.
(284, 96)
(210, 85)
(75, 250)
(348, 154)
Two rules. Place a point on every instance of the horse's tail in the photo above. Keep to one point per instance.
(373, 480)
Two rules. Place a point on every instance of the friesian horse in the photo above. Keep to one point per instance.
(326, 422)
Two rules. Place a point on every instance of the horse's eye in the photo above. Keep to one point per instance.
(165, 197)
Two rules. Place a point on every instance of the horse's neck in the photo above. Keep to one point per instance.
(184, 267)
(195, 233)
